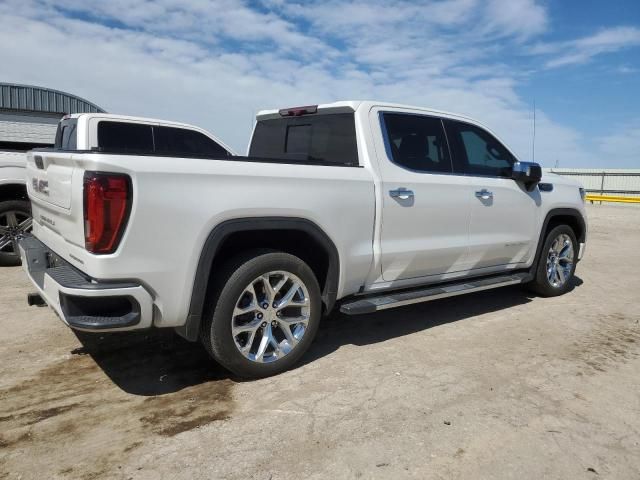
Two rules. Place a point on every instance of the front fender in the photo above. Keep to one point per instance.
(572, 212)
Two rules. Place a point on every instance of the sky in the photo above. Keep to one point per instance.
(215, 63)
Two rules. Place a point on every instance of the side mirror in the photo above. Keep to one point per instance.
(529, 173)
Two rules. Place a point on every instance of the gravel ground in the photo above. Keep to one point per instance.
(498, 384)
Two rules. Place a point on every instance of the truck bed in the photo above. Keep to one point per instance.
(178, 201)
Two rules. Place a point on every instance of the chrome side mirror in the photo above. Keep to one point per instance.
(529, 173)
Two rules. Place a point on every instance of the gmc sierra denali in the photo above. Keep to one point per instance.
(358, 205)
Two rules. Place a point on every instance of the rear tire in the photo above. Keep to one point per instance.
(263, 313)
(15, 220)
(557, 263)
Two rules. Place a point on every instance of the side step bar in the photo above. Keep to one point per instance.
(407, 297)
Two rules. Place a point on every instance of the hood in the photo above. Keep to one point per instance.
(548, 177)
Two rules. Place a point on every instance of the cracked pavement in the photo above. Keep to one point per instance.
(499, 384)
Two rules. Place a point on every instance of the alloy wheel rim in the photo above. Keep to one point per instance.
(270, 317)
(14, 225)
(560, 260)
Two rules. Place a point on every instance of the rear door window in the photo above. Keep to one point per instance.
(183, 142)
(417, 142)
(121, 137)
(326, 139)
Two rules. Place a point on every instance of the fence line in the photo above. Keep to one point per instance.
(607, 185)
(615, 185)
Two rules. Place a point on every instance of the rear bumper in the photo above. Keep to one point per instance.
(80, 301)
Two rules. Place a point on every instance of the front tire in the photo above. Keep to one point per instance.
(264, 313)
(557, 263)
(15, 221)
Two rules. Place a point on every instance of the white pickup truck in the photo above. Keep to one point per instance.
(361, 205)
(15, 211)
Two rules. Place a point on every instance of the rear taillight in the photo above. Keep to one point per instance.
(107, 203)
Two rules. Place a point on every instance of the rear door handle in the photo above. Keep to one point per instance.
(401, 193)
(484, 194)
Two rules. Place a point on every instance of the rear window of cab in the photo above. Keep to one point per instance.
(325, 139)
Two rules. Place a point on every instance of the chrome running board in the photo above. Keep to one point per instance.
(407, 297)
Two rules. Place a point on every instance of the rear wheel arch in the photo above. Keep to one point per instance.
(13, 191)
(297, 236)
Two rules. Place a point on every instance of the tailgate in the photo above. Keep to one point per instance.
(52, 179)
(49, 177)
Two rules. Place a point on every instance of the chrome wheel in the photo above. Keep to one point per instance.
(560, 260)
(13, 225)
(270, 316)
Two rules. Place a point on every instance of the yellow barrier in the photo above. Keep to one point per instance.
(612, 198)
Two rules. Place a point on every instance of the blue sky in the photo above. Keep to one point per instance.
(604, 89)
(215, 63)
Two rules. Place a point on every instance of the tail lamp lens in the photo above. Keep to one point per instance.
(107, 203)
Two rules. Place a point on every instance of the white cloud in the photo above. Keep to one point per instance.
(201, 21)
(626, 69)
(215, 63)
(522, 18)
(582, 50)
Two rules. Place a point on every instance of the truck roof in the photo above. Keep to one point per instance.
(129, 118)
(353, 105)
(149, 121)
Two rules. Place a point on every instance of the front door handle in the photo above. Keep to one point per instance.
(401, 193)
(484, 194)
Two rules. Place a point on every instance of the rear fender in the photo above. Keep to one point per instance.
(216, 238)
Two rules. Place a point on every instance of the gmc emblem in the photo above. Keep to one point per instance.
(40, 186)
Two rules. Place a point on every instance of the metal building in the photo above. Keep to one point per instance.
(29, 115)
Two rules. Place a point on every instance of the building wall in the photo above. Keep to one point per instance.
(28, 128)
(28, 98)
(29, 115)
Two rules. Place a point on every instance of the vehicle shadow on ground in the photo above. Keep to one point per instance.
(157, 362)
(339, 329)
(151, 362)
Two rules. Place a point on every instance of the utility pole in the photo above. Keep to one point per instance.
(533, 142)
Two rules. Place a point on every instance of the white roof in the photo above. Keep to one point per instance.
(353, 105)
(128, 118)
(149, 121)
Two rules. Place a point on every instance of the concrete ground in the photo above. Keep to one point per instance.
(498, 384)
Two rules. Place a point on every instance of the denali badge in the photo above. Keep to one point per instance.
(48, 220)
(41, 186)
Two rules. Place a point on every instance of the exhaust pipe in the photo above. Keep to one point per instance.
(34, 299)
